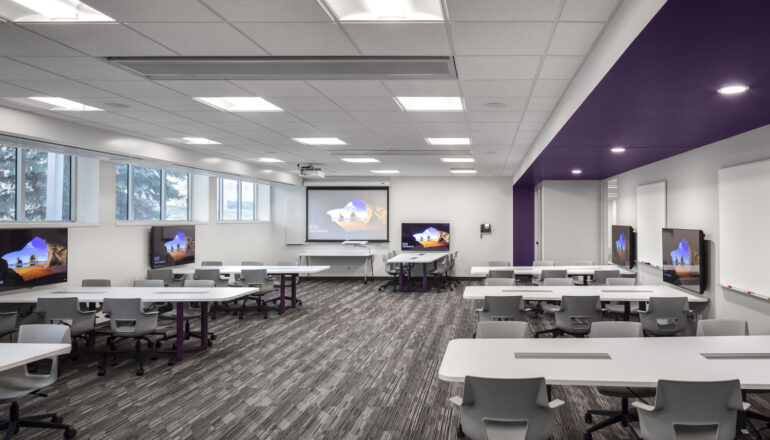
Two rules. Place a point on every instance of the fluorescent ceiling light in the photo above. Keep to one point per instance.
(386, 10)
(577, 171)
(733, 89)
(457, 159)
(49, 10)
(199, 141)
(240, 104)
(360, 160)
(463, 171)
(385, 171)
(64, 105)
(448, 141)
(269, 160)
(430, 103)
(319, 141)
(618, 149)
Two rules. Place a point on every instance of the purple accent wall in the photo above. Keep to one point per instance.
(523, 224)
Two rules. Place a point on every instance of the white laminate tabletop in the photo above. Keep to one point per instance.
(418, 257)
(271, 270)
(535, 270)
(606, 293)
(14, 355)
(636, 362)
(146, 294)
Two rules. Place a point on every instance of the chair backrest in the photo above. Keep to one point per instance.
(504, 308)
(130, 310)
(665, 316)
(165, 275)
(206, 274)
(287, 263)
(58, 309)
(499, 263)
(722, 327)
(252, 263)
(149, 283)
(8, 322)
(521, 401)
(542, 263)
(212, 263)
(696, 410)
(601, 275)
(558, 282)
(616, 329)
(96, 283)
(578, 313)
(502, 329)
(553, 273)
(198, 283)
(45, 334)
(500, 282)
(500, 274)
(254, 276)
(583, 263)
(621, 281)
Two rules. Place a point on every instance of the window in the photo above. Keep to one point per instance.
(228, 198)
(46, 179)
(247, 201)
(151, 194)
(263, 207)
(243, 200)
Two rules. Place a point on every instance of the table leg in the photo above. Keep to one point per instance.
(294, 289)
(627, 310)
(283, 293)
(400, 277)
(179, 331)
(424, 277)
(204, 325)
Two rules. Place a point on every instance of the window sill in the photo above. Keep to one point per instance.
(157, 223)
(61, 224)
(236, 222)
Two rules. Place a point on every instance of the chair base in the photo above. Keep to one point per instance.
(15, 422)
(137, 353)
(625, 417)
(393, 281)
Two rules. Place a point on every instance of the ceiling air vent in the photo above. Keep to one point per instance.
(300, 68)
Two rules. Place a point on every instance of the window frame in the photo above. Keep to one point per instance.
(130, 196)
(239, 204)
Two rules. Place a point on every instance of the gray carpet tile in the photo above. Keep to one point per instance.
(351, 363)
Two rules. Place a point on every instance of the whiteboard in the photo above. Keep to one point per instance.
(650, 220)
(744, 226)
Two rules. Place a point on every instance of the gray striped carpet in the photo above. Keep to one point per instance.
(352, 363)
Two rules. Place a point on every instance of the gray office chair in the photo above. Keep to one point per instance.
(8, 324)
(557, 282)
(248, 263)
(165, 275)
(440, 273)
(575, 316)
(551, 273)
(502, 329)
(550, 308)
(17, 382)
(618, 309)
(212, 263)
(500, 282)
(542, 263)
(581, 278)
(209, 274)
(722, 327)
(664, 316)
(66, 310)
(190, 313)
(96, 283)
(391, 270)
(128, 320)
(502, 308)
(601, 275)
(255, 278)
(616, 329)
(497, 409)
(692, 410)
(149, 283)
(501, 274)
(499, 263)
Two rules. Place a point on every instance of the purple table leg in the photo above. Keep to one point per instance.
(179, 331)
(294, 290)
(400, 277)
(204, 325)
(424, 277)
(283, 293)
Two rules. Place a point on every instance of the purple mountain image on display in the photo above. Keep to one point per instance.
(178, 243)
(620, 245)
(34, 252)
(681, 255)
(355, 210)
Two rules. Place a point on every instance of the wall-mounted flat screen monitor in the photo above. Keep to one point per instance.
(172, 245)
(347, 213)
(32, 257)
(623, 245)
(683, 259)
(425, 237)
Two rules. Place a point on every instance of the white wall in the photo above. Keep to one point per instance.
(571, 221)
(464, 202)
(692, 203)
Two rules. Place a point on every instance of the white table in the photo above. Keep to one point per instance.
(585, 271)
(366, 254)
(178, 295)
(292, 271)
(410, 258)
(633, 362)
(15, 355)
(624, 294)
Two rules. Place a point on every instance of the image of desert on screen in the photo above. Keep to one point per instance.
(425, 237)
(337, 214)
(683, 263)
(32, 257)
(172, 245)
(623, 245)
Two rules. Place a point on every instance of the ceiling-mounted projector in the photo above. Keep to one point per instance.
(310, 172)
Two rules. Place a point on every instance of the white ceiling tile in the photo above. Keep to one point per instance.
(497, 139)
(278, 88)
(497, 67)
(133, 125)
(493, 126)
(350, 88)
(100, 39)
(542, 104)
(203, 88)
(560, 67)
(367, 104)
(574, 38)
(176, 104)
(536, 116)
(550, 88)
(12, 91)
(260, 117)
(10, 69)
(497, 88)
(80, 68)
(340, 126)
(501, 38)
(509, 104)
(299, 38)
(269, 10)
(437, 116)
(156, 116)
(494, 116)
(503, 10)
(140, 11)
(209, 116)
(199, 39)
(434, 87)
(64, 88)
(116, 104)
(588, 10)
(103, 117)
(17, 41)
(134, 89)
(399, 38)
(305, 104)
(314, 117)
(531, 125)
(289, 126)
(396, 115)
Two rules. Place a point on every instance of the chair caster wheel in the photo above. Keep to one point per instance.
(70, 433)
(112, 347)
(158, 344)
(213, 337)
(588, 436)
(211, 343)
(235, 313)
(240, 316)
(171, 362)
(150, 344)
(101, 372)
(173, 347)
(140, 371)
(299, 303)
(56, 419)
(589, 418)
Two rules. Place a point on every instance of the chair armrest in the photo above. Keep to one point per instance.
(456, 400)
(553, 404)
(642, 406)
(150, 313)
(87, 312)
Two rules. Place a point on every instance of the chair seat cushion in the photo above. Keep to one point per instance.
(620, 308)
(625, 392)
